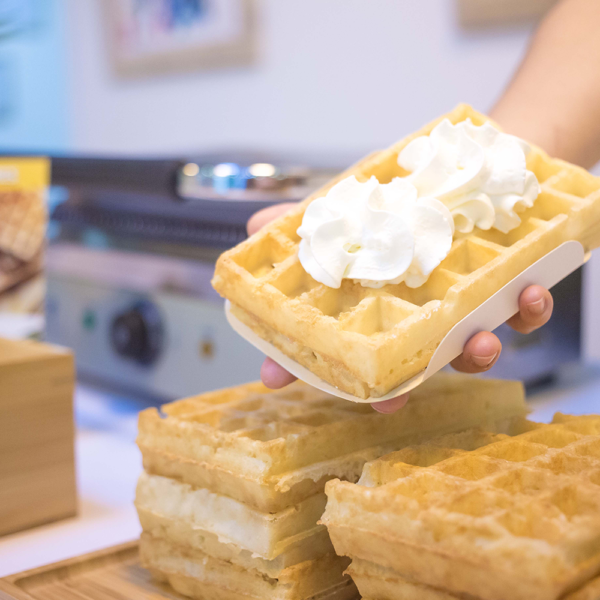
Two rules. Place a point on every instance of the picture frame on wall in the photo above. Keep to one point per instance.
(156, 37)
(491, 13)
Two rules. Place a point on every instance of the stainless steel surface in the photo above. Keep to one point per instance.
(132, 254)
(249, 181)
(204, 201)
(179, 345)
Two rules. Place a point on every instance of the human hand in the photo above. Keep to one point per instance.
(479, 354)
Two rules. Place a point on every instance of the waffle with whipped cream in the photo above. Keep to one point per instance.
(477, 514)
(233, 482)
(367, 340)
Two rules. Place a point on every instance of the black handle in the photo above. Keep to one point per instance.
(135, 175)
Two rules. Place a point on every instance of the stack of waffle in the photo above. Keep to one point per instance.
(368, 341)
(477, 515)
(234, 480)
(22, 230)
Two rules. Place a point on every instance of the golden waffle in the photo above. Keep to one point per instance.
(22, 223)
(500, 517)
(201, 576)
(14, 271)
(248, 465)
(271, 450)
(368, 341)
(234, 480)
(376, 582)
(182, 533)
(264, 534)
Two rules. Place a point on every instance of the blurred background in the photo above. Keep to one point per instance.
(171, 121)
(334, 76)
(168, 123)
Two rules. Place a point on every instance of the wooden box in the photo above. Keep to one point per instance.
(37, 465)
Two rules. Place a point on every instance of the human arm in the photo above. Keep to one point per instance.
(553, 99)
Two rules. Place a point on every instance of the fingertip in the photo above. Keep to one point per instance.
(258, 220)
(479, 354)
(460, 364)
(536, 304)
(253, 224)
(274, 376)
(532, 294)
(390, 406)
(535, 309)
(483, 344)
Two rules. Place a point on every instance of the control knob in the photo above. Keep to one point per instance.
(137, 333)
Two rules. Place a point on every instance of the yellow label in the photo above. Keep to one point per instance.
(28, 174)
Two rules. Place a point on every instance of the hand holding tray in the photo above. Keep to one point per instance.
(497, 309)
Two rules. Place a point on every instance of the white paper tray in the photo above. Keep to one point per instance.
(547, 272)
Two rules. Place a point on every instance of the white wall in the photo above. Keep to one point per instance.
(333, 75)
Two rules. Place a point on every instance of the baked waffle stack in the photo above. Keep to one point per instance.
(14, 271)
(22, 224)
(478, 516)
(22, 230)
(368, 341)
(234, 480)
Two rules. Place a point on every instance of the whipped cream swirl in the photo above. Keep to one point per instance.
(479, 173)
(376, 234)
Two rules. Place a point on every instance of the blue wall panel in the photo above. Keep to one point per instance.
(33, 78)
